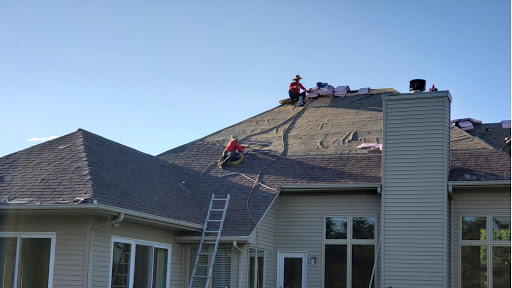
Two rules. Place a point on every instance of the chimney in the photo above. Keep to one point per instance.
(415, 167)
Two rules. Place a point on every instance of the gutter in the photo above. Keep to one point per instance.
(489, 183)
(107, 208)
(223, 239)
(330, 187)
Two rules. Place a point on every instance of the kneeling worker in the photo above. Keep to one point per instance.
(231, 151)
(294, 91)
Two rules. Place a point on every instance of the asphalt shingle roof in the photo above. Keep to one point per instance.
(85, 165)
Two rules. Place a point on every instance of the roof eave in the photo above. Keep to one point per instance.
(331, 187)
(489, 183)
(223, 239)
(109, 209)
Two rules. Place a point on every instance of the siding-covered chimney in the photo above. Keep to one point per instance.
(416, 157)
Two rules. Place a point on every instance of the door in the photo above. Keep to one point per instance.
(292, 270)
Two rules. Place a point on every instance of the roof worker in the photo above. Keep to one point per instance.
(231, 152)
(294, 91)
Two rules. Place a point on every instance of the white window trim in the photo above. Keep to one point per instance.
(292, 254)
(349, 242)
(134, 242)
(21, 235)
(257, 265)
(489, 243)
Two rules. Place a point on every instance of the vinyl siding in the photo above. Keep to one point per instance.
(70, 244)
(265, 238)
(300, 223)
(475, 201)
(415, 202)
(101, 249)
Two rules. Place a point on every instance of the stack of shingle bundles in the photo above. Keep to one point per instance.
(327, 90)
(313, 92)
(466, 123)
(363, 91)
(341, 91)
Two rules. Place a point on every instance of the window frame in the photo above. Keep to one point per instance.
(350, 242)
(133, 243)
(189, 261)
(489, 243)
(256, 270)
(22, 235)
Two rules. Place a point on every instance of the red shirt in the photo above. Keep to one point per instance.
(233, 146)
(295, 87)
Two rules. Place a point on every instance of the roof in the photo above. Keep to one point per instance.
(315, 145)
(492, 133)
(82, 167)
(319, 147)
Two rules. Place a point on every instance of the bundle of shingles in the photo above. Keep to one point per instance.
(326, 90)
(466, 123)
(341, 91)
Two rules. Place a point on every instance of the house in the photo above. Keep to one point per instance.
(308, 208)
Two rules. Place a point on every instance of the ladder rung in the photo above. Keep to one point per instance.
(216, 209)
(202, 265)
(202, 253)
(213, 231)
(200, 276)
(214, 220)
(220, 199)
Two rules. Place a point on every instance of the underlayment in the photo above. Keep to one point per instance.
(327, 125)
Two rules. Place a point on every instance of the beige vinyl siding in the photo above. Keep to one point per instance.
(265, 238)
(475, 201)
(415, 202)
(301, 223)
(70, 244)
(102, 249)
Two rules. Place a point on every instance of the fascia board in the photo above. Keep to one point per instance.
(224, 239)
(490, 183)
(328, 187)
(106, 208)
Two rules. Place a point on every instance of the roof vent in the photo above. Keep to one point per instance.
(417, 85)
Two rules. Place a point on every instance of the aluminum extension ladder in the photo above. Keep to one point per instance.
(217, 230)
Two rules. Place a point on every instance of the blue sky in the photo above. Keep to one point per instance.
(153, 75)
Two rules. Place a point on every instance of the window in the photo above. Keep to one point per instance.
(26, 260)
(485, 251)
(221, 273)
(349, 249)
(139, 264)
(256, 268)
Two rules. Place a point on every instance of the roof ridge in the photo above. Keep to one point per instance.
(80, 132)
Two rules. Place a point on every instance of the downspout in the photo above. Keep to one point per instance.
(240, 272)
(119, 219)
(236, 247)
(452, 252)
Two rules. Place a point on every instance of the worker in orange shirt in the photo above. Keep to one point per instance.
(231, 152)
(294, 91)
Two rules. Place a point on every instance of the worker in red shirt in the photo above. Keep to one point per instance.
(294, 91)
(231, 151)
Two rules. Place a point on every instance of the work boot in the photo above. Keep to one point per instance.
(301, 101)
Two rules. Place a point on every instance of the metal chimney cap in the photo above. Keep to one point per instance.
(417, 85)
